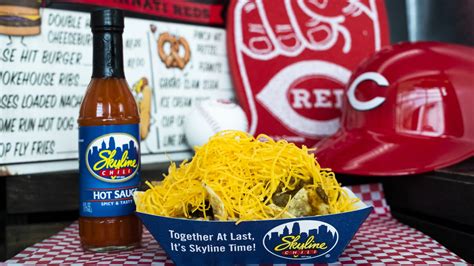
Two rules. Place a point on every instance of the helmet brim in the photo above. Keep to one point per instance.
(367, 153)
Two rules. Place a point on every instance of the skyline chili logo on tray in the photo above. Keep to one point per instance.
(291, 61)
(113, 158)
(300, 240)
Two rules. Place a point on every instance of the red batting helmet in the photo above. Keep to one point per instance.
(408, 109)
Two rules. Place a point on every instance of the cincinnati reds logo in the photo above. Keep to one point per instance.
(178, 54)
(291, 60)
(357, 104)
(311, 93)
(288, 110)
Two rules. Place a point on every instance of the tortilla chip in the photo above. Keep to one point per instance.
(281, 199)
(216, 203)
(317, 201)
(299, 204)
(279, 212)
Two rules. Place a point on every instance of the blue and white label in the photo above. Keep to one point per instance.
(109, 158)
(317, 239)
(301, 240)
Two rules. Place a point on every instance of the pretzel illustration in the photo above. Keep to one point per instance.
(173, 58)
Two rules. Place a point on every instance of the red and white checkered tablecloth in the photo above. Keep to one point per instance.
(381, 239)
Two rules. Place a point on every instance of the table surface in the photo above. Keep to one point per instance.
(381, 239)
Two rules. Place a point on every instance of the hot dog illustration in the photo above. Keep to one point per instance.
(143, 94)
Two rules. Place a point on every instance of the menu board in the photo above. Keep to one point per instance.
(43, 80)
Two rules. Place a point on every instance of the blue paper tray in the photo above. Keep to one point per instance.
(314, 239)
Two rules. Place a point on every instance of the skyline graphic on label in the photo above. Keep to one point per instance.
(113, 158)
(301, 240)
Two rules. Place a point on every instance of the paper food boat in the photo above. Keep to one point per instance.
(312, 239)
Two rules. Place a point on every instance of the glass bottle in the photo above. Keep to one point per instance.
(109, 145)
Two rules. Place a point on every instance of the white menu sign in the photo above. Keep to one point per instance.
(43, 79)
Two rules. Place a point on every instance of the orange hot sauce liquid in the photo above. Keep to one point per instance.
(108, 101)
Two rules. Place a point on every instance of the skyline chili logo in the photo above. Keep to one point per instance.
(113, 158)
(301, 240)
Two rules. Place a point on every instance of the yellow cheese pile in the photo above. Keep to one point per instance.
(245, 172)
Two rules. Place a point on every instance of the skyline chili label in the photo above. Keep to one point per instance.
(109, 169)
(300, 240)
(113, 157)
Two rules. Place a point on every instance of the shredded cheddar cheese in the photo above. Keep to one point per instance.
(242, 173)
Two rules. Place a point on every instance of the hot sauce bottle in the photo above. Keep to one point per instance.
(109, 145)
